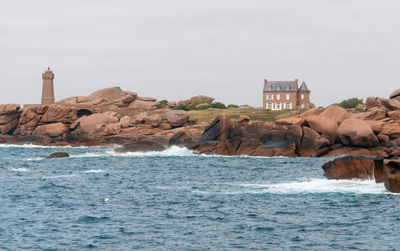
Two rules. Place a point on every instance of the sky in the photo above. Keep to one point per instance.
(176, 49)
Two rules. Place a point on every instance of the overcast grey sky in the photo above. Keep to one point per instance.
(177, 49)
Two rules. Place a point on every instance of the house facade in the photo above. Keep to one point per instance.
(281, 95)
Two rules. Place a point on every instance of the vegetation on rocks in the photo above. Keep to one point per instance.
(351, 103)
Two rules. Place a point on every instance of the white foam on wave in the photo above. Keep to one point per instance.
(61, 176)
(94, 171)
(319, 186)
(312, 186)
(171, 151)
(22, 169)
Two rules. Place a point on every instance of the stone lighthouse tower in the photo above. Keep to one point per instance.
(48, 87)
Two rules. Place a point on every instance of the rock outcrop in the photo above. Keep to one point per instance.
(58, 155)
(350, 167)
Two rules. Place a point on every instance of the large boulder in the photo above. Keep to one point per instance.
(243, 119)
(73, 100)
(94, 123)
(9, 109)
(219, 129)
(127, 121)
(9, 115)
(374, 102)
(143, 104)
(141, 146)
(277, 147)
(349, 167)
(310, 112)
(9, 127)
(354, 132)
(51, 130)
(153, 120)
(395, 94)
(391, 104)
(181, 138)
(177, 118)
(111, 94)
(391, 129)
(192, 100)
(335, 113)
(29, 119)
(128, 96)
(290, 121)
(374, 113)
(323, 125)
(312, 143)
(391, 175)
(59, 113)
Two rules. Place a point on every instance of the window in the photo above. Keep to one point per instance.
(302, 96)
(270, 96)
(302, 106)
(287, 88)
(287, 96)
(278, 106)
(278, 96)
(269, 106)
(278, 88)
(287, 106)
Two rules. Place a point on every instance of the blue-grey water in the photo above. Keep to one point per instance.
(175, 200)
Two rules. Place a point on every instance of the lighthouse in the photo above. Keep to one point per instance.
(48, 87)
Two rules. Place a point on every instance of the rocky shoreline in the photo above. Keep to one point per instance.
(115, 117)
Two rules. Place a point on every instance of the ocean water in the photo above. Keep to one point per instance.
(176, 200)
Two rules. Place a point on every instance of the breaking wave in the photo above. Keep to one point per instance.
(304, 187)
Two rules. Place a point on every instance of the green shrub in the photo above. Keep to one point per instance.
(162, 104)
(181, 107)
(218, 105)
(233, 106)
(351, 103)
(196, 103)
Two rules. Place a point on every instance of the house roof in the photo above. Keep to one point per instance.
(276, 86)
(303, 87)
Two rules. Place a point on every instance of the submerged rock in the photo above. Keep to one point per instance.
(58, 155)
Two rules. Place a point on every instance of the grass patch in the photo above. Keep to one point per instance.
(258, 115)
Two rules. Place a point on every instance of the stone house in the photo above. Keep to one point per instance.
(280, 95)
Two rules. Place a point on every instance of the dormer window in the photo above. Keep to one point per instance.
(269, 88)
(278, 88)
(287, 88)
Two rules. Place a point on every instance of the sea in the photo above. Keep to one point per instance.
(98, 199)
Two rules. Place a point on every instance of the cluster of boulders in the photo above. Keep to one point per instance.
(383, 117)
(112, 98)
(60, 123)
(381, 169)
(315, 133)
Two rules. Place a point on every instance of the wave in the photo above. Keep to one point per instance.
(312, 186)
(320, 186)
(171, 151)
(22, 169)
(94, 171)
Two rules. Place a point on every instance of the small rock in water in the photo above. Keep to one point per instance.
(58, 155)
(106, 199)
